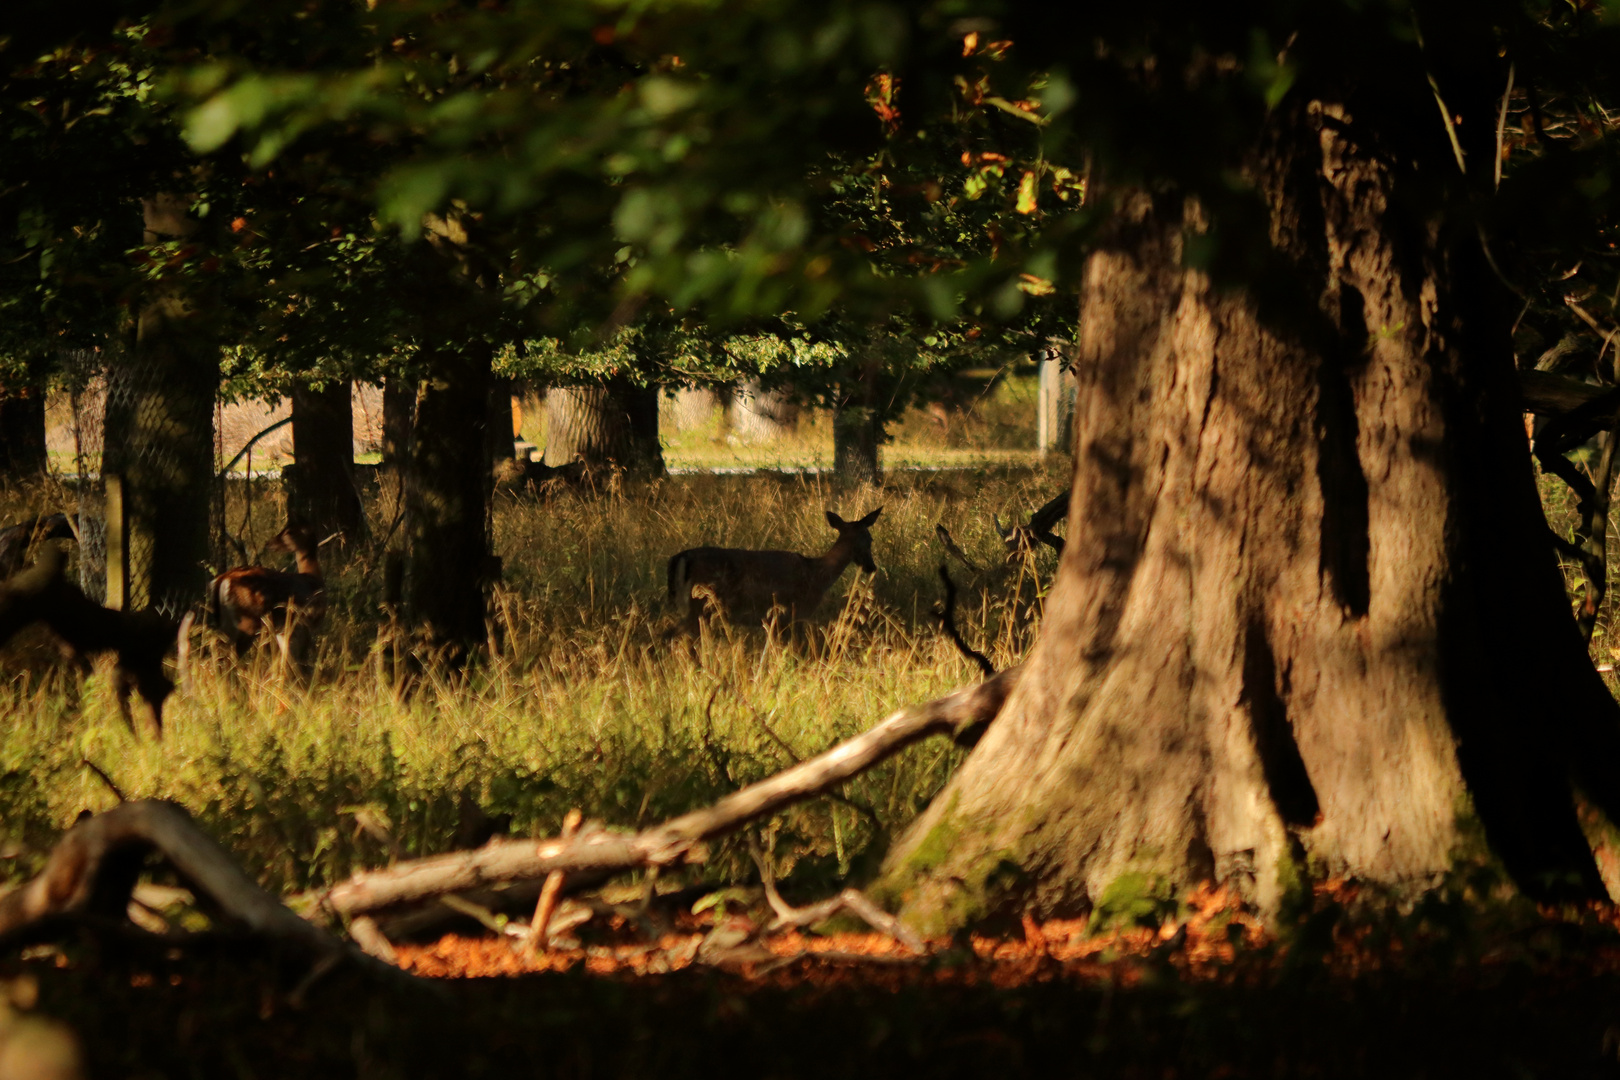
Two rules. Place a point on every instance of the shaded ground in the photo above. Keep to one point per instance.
(1189, 999)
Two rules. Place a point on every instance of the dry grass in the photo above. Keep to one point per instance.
(586, 705)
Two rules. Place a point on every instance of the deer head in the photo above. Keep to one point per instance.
(297, 536)
(859, 535)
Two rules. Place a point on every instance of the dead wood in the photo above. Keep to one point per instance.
(93, 870)
(947, 621)
(551, 892)
(852, 900)
(961, 715)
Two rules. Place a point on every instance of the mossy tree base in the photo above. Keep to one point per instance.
(1307, 613)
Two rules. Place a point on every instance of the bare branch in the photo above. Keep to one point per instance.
(947, 622)
(680, 839)
(93, 868)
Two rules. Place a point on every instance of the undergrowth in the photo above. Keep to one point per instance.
(586, 702)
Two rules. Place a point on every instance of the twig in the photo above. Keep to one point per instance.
(947, 622)
(679, 840)
(105, 779)
(850, 899)
(365, 933)
(1501, 124)
(955, 550)
(1451, 129)
(551, 892)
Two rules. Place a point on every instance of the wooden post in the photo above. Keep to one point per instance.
(117, 557)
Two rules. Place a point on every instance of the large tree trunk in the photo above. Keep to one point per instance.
(399, 414)
(159, 451)
(758, 415)
(447, 497)
(320, 485)
(613, 422)
(1307, 614)
(857, 434)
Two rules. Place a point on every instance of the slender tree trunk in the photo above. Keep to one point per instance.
(160, 440)
(857, 434)
(616, 421)
(1307, 615)
(399, 414)
(320, 485)
(22, 433)
(447, 552)
(499, 425)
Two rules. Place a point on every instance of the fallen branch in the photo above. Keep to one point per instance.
(94, 867)
(962, 715)
(852, 900)
(546, 905)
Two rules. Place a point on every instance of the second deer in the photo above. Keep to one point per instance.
(750, 584)
(291, 602)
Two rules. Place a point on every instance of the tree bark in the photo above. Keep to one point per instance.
(22, 433)
(399, 414)
(447, 498)
(857, 433)
(320, 485)
(760, 416)
(1307, 619)
(613, 422)
(499, 426)
(160, 437)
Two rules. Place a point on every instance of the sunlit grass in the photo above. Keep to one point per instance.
(587, 703)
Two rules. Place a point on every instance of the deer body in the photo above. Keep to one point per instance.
(749, 584)
(139, 640)
(291, 602)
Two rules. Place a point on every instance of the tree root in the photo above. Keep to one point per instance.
(594, 848)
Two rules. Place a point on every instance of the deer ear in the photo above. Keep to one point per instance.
(835, 521)
(866, 522)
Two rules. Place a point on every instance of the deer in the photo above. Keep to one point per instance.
(139, 639)
(754, 583)
(16, 540)
(292, 602)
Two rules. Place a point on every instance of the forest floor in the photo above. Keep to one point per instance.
(1201, 999)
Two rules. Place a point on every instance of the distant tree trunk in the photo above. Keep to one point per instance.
(857, 434)
(616, 421)
(22, 433)
(447, 552)
(760, 416)
(160, 440)
(1054, 428)
(1307, 618)
(499, 424)
(399, 413)
(320, 485)
(691, 408)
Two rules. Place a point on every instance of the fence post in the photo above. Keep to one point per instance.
(117, 549)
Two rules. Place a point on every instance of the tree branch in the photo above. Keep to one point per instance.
(677, 840)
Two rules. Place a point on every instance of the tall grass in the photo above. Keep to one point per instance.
(586, 703)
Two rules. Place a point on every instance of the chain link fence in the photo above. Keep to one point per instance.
(121, 421)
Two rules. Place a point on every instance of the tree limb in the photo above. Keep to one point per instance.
(94, 866)
(947, 622)
(677, 840)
